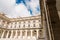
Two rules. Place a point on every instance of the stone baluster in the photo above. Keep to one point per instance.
(7, 34)
(31, 33)
(1, 22)
(15, 34)
(9, 26)
(21, 33)
(13, 25)
(11, 34)
(26, 33)
(37, 33)
(3, 34)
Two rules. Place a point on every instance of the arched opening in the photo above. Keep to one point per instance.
(23, 33)
(34, 33)
(28, 33)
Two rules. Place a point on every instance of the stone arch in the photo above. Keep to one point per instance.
(28, 33)
(14, 32)
(5, 33)
(1, 32)
(34, 33)
(23, 33)
(9, 34)
(40, 33)
(18, 33)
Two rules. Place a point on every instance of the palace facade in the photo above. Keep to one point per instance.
(27, 28)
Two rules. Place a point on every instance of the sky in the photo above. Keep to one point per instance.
(20, 8)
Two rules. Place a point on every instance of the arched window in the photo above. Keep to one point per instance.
(9, 34)
(18, 33)
(23, 33)
(35, 33)
(28, 33)
(40, 34)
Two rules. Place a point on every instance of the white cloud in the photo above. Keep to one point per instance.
(6, 5)
(32, 5)
(20, 10)
(10, 8)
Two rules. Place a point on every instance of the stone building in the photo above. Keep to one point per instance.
(53, 12)
(27, 28)
(42, 27)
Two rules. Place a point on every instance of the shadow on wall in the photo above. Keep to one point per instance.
(54, 18)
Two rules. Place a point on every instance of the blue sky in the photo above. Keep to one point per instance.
(20, 8)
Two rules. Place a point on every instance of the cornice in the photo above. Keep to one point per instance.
(20, 28)
(19, 19)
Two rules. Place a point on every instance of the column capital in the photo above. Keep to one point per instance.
(31, 30)
(37, 30)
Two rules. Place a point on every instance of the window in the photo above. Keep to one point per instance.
(28, 21)
(39, 20)
(15, 24)
(28, 25)
(39, 25)
(33, 21)
(19, 25)
(24, 25)
(34, 25)
(40, 33)
(34, 33)
(28, 33)
(18, 33)
(24, 22)
(23, 33)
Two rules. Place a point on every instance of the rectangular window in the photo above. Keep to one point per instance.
(34, 25)
(28, 25)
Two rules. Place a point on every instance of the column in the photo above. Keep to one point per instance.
(37, 33)
(7, 34)
(21, 33)
(5, 23)
(16, 34)
(26, 33)
(11, 33)
(9, 26)
(31, 33)
(0, 22)
(0, 33)
(3, 34)
(17, 25)
(13, 25)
